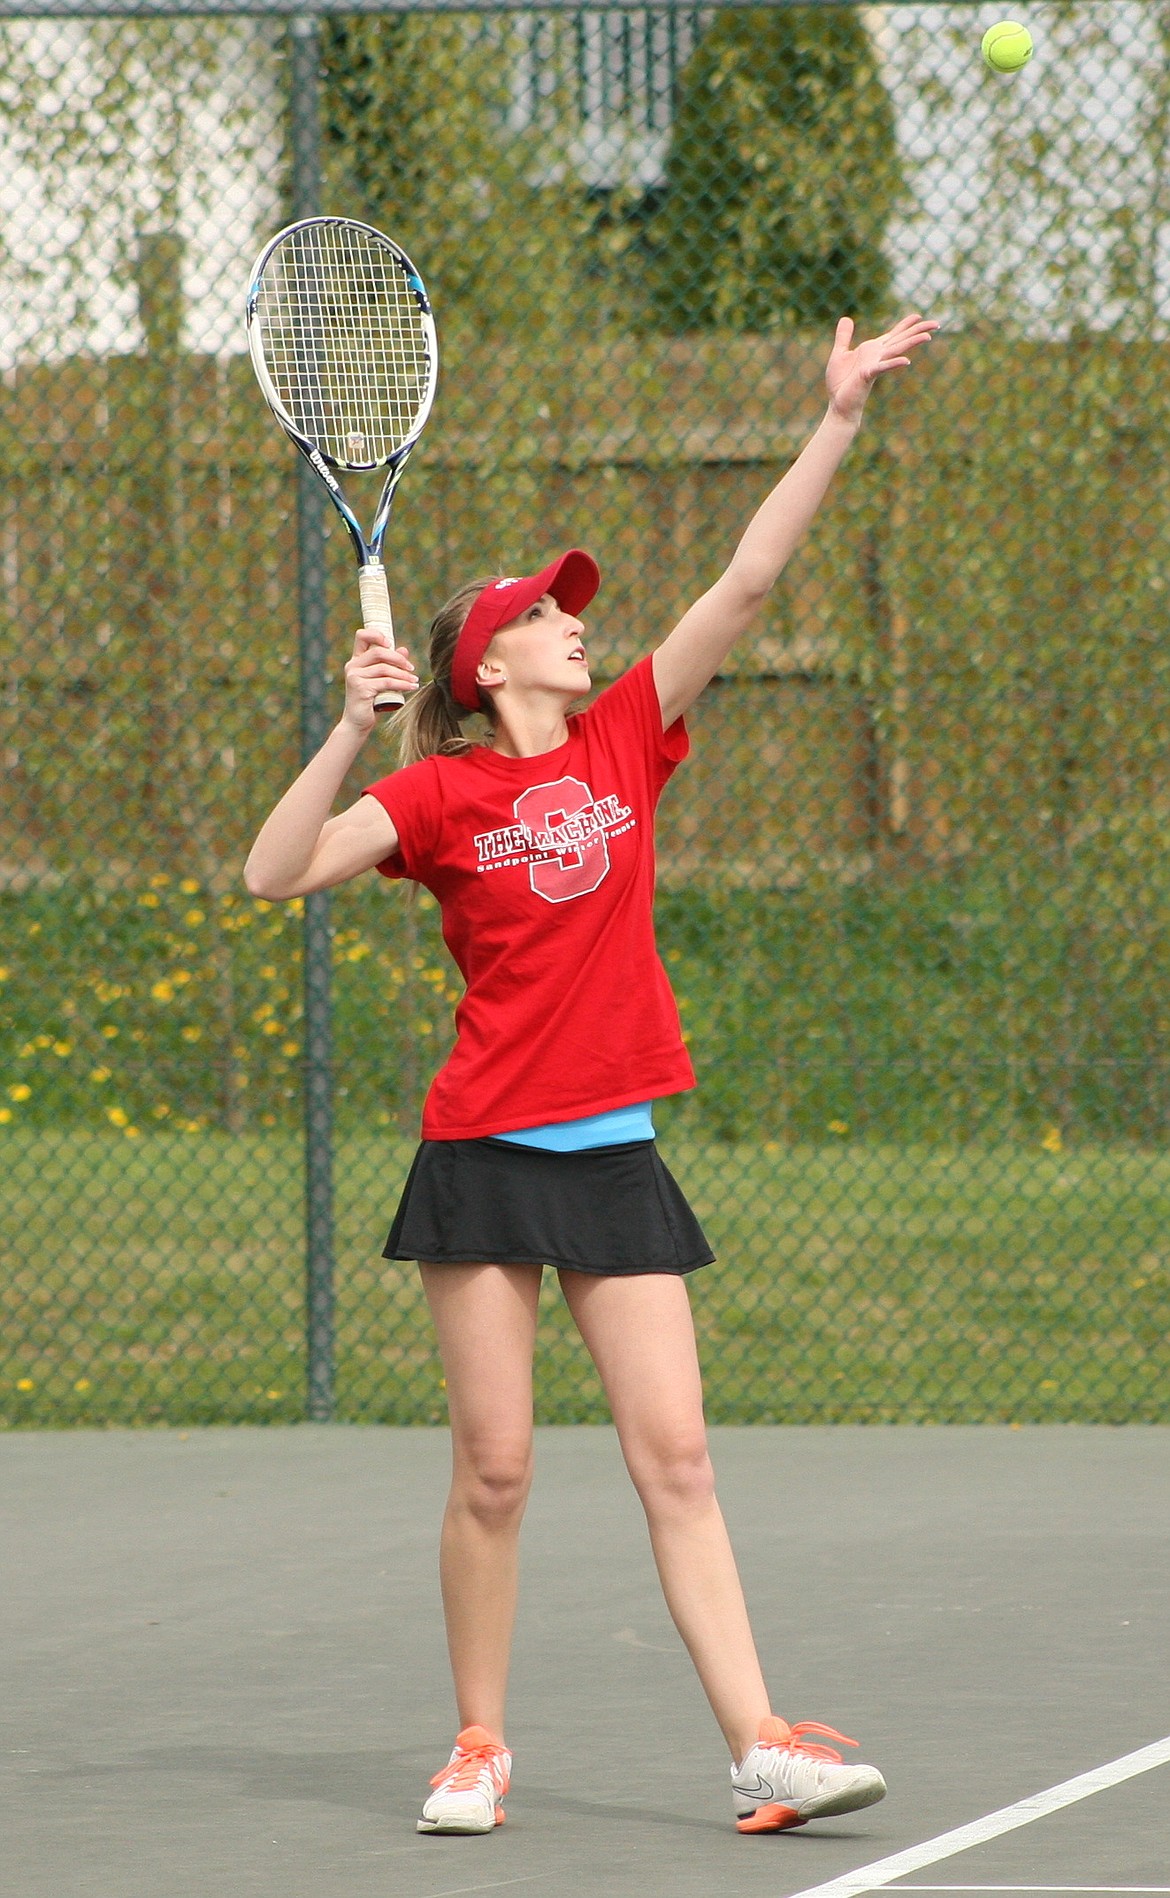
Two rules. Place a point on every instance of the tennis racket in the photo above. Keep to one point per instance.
(344, 348)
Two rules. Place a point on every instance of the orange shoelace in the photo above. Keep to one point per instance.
(796, 1742)
(463, 1773)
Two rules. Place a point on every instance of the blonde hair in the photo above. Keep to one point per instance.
(430, 723)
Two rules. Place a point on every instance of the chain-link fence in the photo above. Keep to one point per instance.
(914, 885)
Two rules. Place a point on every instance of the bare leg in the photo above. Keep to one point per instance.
(485, 1317)
(640, 1334)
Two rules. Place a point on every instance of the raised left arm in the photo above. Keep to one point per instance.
(691, 655)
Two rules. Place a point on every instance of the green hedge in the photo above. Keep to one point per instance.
(932, 1009)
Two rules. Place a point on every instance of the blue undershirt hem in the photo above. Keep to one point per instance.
(592, 1130)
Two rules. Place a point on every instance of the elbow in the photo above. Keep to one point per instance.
(752, 586)
(263, 887)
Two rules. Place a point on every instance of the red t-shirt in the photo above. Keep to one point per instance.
(544, 872)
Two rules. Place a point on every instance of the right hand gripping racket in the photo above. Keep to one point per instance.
(344, 348)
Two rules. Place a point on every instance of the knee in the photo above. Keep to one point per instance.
(674, 1473)
(492, 1482)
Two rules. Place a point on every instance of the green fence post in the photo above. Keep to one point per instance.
(304, 61)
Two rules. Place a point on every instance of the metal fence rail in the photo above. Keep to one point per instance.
(914, 891)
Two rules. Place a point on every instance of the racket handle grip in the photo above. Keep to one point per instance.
(376, 612)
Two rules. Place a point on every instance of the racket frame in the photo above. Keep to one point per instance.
(372, 582)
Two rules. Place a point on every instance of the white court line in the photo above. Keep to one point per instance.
(885, 1870)
(1110, 1889)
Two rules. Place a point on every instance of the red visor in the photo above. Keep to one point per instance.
(572, 580)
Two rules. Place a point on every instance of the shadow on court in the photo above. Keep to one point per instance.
(224, 1669)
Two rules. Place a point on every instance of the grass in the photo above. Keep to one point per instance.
(160, 1280)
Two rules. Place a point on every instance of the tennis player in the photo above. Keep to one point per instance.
(537, 1139)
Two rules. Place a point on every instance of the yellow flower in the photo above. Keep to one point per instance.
(163, 991)
(423, 1028)
(191, 1033)
(62, 1048)
(161, 1111)
(82, 1384)
(194, 916)
(160, 881)
(25, 1384)
(4, 974)
(22, 1054)
(273, 1395)
(268, 972)
(263, 1012)
(189, 886)
(149, 900)
(100, 1074)
(43, 1041)
(272, 1028)
(357, 951)
(108, 1030)
(5, 1113)
(181, 977)
(34, 929)
(290, 1048)
(132, 1132)
(20, 1092)
(118, 1115)
(838, 1126)
(1052, 1141)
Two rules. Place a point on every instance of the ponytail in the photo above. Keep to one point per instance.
(430, 723)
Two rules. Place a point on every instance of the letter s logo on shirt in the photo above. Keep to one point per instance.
(579, 866)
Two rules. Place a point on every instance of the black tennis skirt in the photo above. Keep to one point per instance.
(610, 1210)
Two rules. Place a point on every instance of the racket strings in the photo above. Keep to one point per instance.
(344, 342)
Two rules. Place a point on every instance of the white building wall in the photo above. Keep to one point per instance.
(111, 130)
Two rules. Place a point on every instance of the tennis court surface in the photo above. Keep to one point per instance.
(224, 1669)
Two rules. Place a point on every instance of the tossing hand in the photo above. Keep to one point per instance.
(851, 373)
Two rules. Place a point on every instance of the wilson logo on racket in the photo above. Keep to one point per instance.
(323, 471)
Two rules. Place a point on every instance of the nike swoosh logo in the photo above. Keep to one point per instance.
(760, 1789)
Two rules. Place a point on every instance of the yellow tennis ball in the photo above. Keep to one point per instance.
(1007, 46)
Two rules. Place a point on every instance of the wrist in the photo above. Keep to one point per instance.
(350, 735)
(837, 423)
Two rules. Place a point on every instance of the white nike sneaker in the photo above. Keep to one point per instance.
(786, 1780)
(469, 1790)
